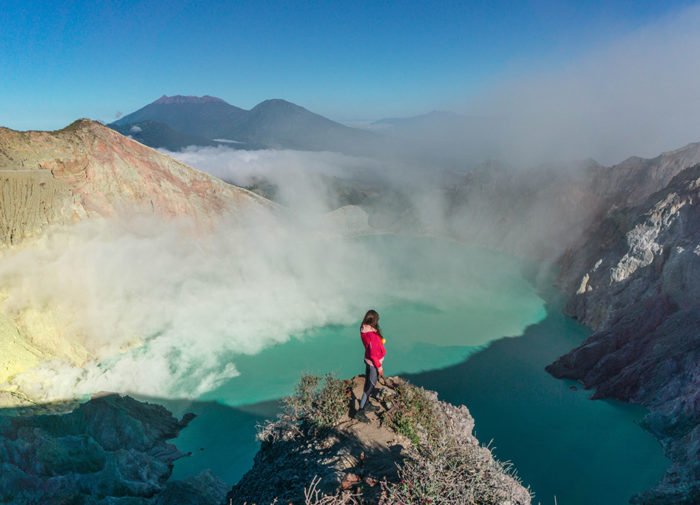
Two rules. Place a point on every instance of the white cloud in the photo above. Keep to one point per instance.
(194, 298)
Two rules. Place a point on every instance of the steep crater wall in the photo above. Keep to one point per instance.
(634, 278)
(30, 200)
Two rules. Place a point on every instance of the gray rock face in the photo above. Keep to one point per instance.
(629, 183)
(636, 279)
(110, 450)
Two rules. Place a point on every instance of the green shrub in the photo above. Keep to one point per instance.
(321, 402)
(414, 415)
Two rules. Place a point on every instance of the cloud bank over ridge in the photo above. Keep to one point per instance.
(636, 95)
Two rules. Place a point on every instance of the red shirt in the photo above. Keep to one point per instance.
(374, 347)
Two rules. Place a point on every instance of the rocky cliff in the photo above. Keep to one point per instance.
(110, 450)
(635, 278)
(413, 449)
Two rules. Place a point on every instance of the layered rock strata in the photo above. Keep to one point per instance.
(88, 170)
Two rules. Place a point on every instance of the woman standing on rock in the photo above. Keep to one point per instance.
(372, 339)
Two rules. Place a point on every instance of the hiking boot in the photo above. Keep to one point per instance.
(361, 416)
(370, 407)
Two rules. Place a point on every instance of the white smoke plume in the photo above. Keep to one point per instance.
(190, 298)
(301, 178)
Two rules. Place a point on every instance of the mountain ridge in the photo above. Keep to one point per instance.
(88, 170)
(272, 123)
(165, 99)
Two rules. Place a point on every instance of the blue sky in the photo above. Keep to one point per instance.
(348, 60)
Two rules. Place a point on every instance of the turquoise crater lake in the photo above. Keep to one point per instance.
(445, 322)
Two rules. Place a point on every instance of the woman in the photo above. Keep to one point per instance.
(373, 341)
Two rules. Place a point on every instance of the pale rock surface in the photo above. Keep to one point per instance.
(88, 170)
(348, 221)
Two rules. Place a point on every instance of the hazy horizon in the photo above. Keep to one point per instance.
(566, 80)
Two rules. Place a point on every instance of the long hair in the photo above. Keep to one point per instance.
(372, 319)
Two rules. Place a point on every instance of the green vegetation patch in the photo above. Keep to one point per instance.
(322, 402)
(414, 415)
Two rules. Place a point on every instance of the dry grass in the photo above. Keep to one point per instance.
(445, 473)
(414, 415)
(317, 404)
(312, 496)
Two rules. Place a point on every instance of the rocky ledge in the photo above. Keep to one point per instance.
(111, 450)
(114, 450)
(414, 449)
(635, 279)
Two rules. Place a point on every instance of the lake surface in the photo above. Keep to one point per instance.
(563, 444)
(445, 324)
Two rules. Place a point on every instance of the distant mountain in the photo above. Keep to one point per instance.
(443, 137)
(271, 124)
(205, 117)
(434, 125)
(155, 134)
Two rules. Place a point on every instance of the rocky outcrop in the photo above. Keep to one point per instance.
(412, 449)
(635, 278)
(110, 450)
(114, 450)
(88, 170)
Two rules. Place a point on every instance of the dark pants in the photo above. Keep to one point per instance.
(371, 378)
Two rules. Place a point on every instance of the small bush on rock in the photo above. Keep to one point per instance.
(318, 402)
(446, 466)
(414, 415)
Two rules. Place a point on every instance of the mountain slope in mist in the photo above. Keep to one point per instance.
(155, 134)
(270, 124)
(85, 173)
(543, 210)
(630, 182)
(88, 170)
